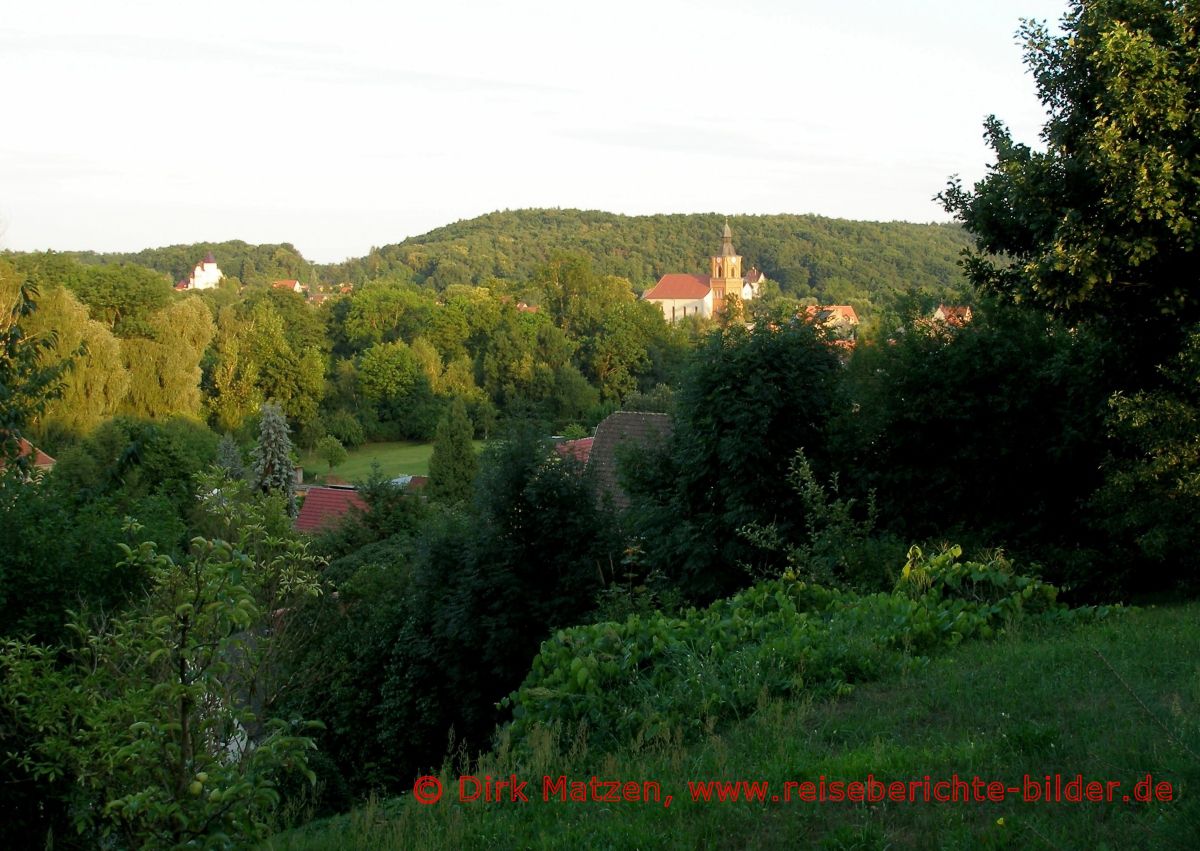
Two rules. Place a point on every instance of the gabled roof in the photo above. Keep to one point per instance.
(832, 313)
(956, 315)
(208, 258)
(580, 450)
(754, 276)
(40, 459)
(624, 428)
(286, 285)
(679, 286)
(327, 508)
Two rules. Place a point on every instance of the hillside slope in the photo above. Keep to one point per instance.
(870, 264)
(808, 255)
(1111, 701)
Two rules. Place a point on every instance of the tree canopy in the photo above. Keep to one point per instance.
(1102, 221)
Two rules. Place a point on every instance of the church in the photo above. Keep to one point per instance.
(206, 275)
(681, 295)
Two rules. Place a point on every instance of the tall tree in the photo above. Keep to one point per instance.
(751, 399)
(273, 466)
(164, 369)
(25, 381)
(453, 465)
(1103, 221)
(97, 381)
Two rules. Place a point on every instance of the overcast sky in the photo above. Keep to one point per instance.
(338, 126)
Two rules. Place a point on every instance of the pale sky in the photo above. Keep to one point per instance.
(341, 125)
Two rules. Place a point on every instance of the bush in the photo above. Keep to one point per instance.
(652, 677)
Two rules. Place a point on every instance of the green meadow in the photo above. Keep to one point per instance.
(397, 458)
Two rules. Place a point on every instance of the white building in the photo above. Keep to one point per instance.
(206, 275)
(682, 295)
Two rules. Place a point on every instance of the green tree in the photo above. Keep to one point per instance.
(123, 297)
(26, 382)
(330, 449)
(750, 401)
(96, 383)
(164, 368)
(453, 465)
(234, 390)
(229, 457)
(273, 465)
(155, 716)
(1103, 221)
(1152, 491)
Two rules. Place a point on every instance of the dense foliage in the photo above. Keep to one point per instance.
(1102, 222)
(748, 402)
(434, 621)
(148, 728)
(652, 678)
(869, 264)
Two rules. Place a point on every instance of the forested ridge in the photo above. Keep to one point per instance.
(830, 260)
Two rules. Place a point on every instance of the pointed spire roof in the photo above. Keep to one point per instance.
(727, 242)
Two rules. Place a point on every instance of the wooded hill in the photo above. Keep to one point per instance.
(831, 260)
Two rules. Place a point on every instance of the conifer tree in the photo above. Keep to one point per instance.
(273, 456)
(229, 457)
(453, 465)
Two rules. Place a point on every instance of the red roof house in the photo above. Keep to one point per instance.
(580, 449)
(679, 286)
(40, 459)
(326, 508)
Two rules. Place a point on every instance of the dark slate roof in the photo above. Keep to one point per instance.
(624, 428)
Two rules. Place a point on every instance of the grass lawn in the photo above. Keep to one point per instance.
(395, 459)
(1112, 701)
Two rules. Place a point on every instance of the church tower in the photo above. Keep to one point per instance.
(726, 272)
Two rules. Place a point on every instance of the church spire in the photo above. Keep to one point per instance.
(727, 242)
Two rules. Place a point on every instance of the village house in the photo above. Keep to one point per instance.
(954, 315)
(840, 321)
(36, 462)
(292, 286)
(682, 295)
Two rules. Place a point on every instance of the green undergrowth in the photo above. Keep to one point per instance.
(658, 676)
(1113, 699)
(1110, 696)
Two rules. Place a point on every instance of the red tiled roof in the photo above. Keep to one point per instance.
(285, 285)
(580, 449)
(956, 315)
(832, 313)
(182, 285)
(680, 286)
(327, 508)
(754, 276)
(40, 459)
